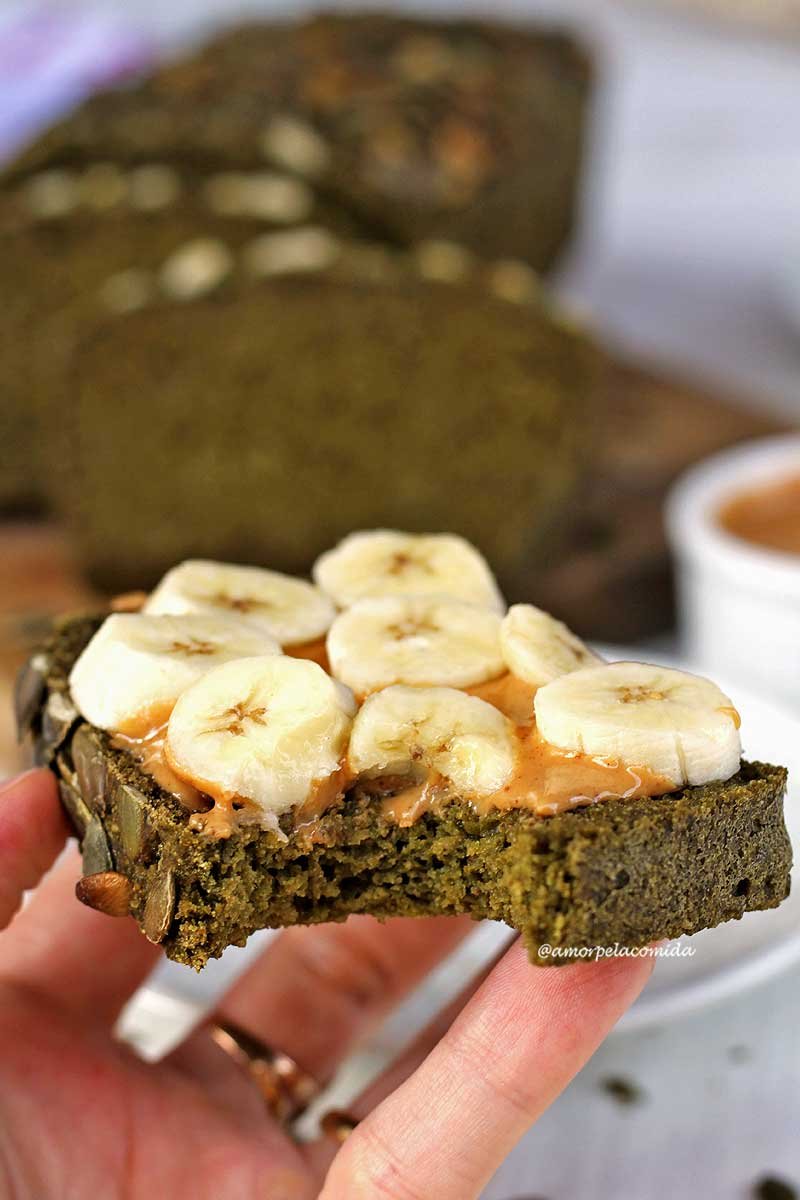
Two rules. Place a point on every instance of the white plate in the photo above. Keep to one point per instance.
(727, 960)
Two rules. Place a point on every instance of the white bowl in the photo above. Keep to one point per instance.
(739, 603)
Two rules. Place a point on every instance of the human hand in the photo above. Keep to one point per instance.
(82, 1117)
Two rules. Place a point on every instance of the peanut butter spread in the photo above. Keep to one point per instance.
(144, 738)
(767, 516)
(511, 695)
(733, 713)
(315, 651)
(547, 780)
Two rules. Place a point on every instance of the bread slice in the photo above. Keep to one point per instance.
(467, 130)
(66, 265)
(625, 872)
(286, 390)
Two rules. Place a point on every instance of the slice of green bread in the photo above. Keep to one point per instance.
(319, 385)
(625, 872)
(419, 129)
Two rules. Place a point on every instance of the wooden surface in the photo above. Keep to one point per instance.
(611, 578)
(38, 579)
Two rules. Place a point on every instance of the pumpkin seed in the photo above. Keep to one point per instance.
(102, 186)
(292, 143)
(160, 906)
(153, 186)
(196, 269)
(296, 251)
(134, 827)
(90, 767)
(28, 692)
(59, 715)
(73, 802)
(96, 850)
(51, 194)
(514, 281)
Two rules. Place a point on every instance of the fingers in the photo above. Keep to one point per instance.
(322, 1151)
(415, 1054)
(33, 829)
(514, 1047)
(316, 991)
(88, 962)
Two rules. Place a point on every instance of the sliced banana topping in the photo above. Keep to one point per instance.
(537, 648)
(386, 563)
(414, 732)
(421, 620)
(288, 609)
(265, 730)
(420, 640)
(136, 665)
(679, 726)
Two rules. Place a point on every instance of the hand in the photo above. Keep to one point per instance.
(82, 1117)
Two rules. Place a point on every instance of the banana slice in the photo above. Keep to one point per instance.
(414, 640)
(386, 563)
(537, 648)
(288, 609)
(136, 665)
(264, 729)
(411, 731)
(679, 726)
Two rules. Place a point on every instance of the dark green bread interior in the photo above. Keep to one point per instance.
(51, 288)
(347, 404)
(627, 872)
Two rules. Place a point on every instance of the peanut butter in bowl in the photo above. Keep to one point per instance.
(766, 515)
(733, 523)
